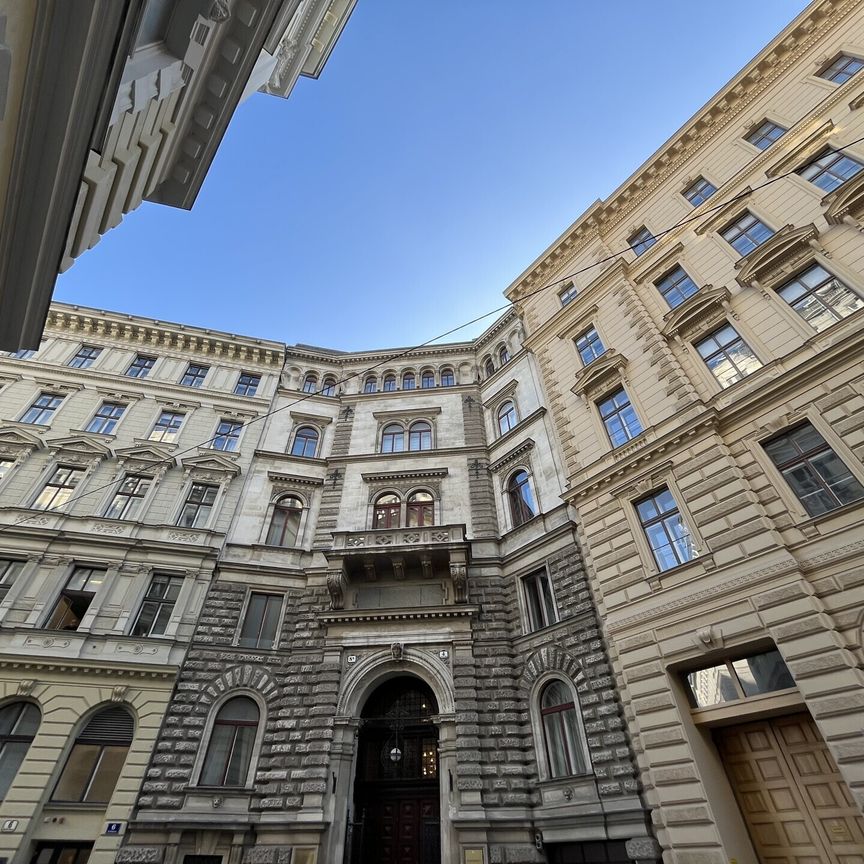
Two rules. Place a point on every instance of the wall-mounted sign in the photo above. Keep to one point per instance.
(114, 828)
(443, 653)
(9, 825)
(352, 658)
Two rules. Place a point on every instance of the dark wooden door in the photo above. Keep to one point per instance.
(400, 825)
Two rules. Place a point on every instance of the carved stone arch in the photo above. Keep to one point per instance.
(376, 492)
(551, 659)
(239, 677)
(362, 679)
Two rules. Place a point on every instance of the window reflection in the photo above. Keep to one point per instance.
(738, 679)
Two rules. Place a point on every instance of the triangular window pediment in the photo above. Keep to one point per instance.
(600, 374)
(776, 258)
(83, 445)
(15, 439)
(211, 463)
(697, 313)
(145, 455)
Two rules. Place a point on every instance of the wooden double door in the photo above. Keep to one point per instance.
(796, 805)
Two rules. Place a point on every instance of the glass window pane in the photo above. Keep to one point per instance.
(712, 686)
(217, 755)
(105, 779)
(72, 784)
(763, 673)
(555, 746)
(238, 766)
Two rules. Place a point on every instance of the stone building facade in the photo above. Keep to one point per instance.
(699, 335)
(112, 517)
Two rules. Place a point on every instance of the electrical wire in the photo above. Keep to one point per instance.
(390, 358)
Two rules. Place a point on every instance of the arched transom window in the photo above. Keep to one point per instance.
(18, 724)
(427, 379)
(488, 367)
(392, 438)
(232, 740)
(506, 417)
(328, 388)
(285, 522)
(370, 385)
(420, 436)
(420, 510)
(387, 511)
(305, 442)
(503, 355)
(522, 507)
(448, 379)
(389, 383)
(310, 383)
(408, 381)
(565, 754)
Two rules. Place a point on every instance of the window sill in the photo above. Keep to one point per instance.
(811, 527)
(77, 806)
(517, 528)
(655, 577)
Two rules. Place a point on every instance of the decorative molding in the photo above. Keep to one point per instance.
(658, 268)
(725, 213)
(643, 484)
(419, 613)
(251, 677)
(550, 658)
(294, 479)
(395, 476)
(16, 439)
(210, 465)
(312, 419)
(407, 415)
(698, 314)
(459, 575)
(845, 205)
(83, 449)
(336, 585)
(575, 326)
(600, 375)
(779, 256)
(803, 151)
(519, 452)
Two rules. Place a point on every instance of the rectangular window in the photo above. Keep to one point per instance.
(676, 286)
(106, 418)
(619, 418)
(5, 465)
(59, 488)
(830, 170)
(746, 233)
(194, 375)
(738, 679)
(261, 623)
(539, 600)
(20, 354)
(227, 435)
(158, 605)
(818, 476)
(727, 355)
(765, 134)
(699, 191)
(842, 69)
(75, 598)
(41, 412)
(590, 346)
(198, 505)
(641, 241)
(85, 357)
(665, 530)
(140, 366)
(167, 427)
(568, 294)
(247, 384)
(820, 298)
(9, 571)
(129, 497)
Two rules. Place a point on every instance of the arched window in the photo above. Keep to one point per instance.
(328, 388)
(386, 513)
(420, 436)
(370, 385)
(408, 381)
(564, 752)
(389, 383)
(392, 438)
(448, 379)
(18, 724)
(231, 743)
(503, 355)
(96, 759)
(305, 442)
(506, 417)
(427, 379)
(285, 523)
(420, 510)
(310, 383)
(488, 367)
(521, 500)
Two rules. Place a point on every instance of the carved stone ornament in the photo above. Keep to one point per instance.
(119, 693)
(336, 587)
(219, 12)
(601, 375)
(397, 650)
(698, 314)
(779, 257)
(709, 637)
(459, 574)
(25, 686)
(845, 205)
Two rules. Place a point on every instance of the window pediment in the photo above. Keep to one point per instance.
(505, 392)
(657, 268)
(779, 256)
(210, 464)
(803, 151)
(14, 440)
(511, 457)
(725, 213)
(600, 375)
(311, 419)
(146, 457)
(697, 314)
(79, 449)
(846, 203)
(407, 415)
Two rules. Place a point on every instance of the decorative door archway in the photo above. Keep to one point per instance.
(396, 796)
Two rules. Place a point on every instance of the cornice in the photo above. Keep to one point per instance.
(21, 663)
(721, 112)
(407, 413)
(697, 313)
(600, 374)
(778, 256)
(414, 614)
(298, 479)
(812, 139)
(420, 474)
(511, 456)
(846, 203)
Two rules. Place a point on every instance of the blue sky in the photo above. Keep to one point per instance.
(446, 144)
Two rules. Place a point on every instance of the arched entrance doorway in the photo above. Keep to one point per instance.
(396, 802)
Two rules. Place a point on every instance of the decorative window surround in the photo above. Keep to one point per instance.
(81, 450)
(500, 395)
(576, 326)
(17, 441)
(724, 214)
(698, 314)
(845, 205)
(292, 481)
(658, 267)
(778, 257)
(601, 375)
(406, 415)
(420, 476)
(301, 419)
(209, 466)
(802, 153)
(511, 457)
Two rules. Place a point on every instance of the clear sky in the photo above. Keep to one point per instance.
(446, 144)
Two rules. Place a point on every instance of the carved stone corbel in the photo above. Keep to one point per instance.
(459, 574)
(336, 587)
(426, 565)
(398, 566)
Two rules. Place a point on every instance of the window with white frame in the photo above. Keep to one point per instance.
(448, 379)
(420, 435)
(328, 388)
(194, 375)
(562, 734)
(370, 385)
(59, 488)
(310, 383)
(746, 233)
(568, 295)
(676, 286)
(699, 191)
(389, 383)
(819, 478)
(842, 69)
(247, 384)
(427, 379)
(820, 298)
(227, 435)
(105, 420)
(765, 134)
(41, 412)
(158, 605)
(10, 570)
(665, 529)
(727, 355)
(85, 357)
(232, 741)
(284, 527)
(830, 170)
(408, 381)
(167, 427)
(261, 621)
(392, 438)
(589, 345)
(619, 417)
(539, 601)
(75, 598)
(128, 500)
(198, 505)
(520, 498)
